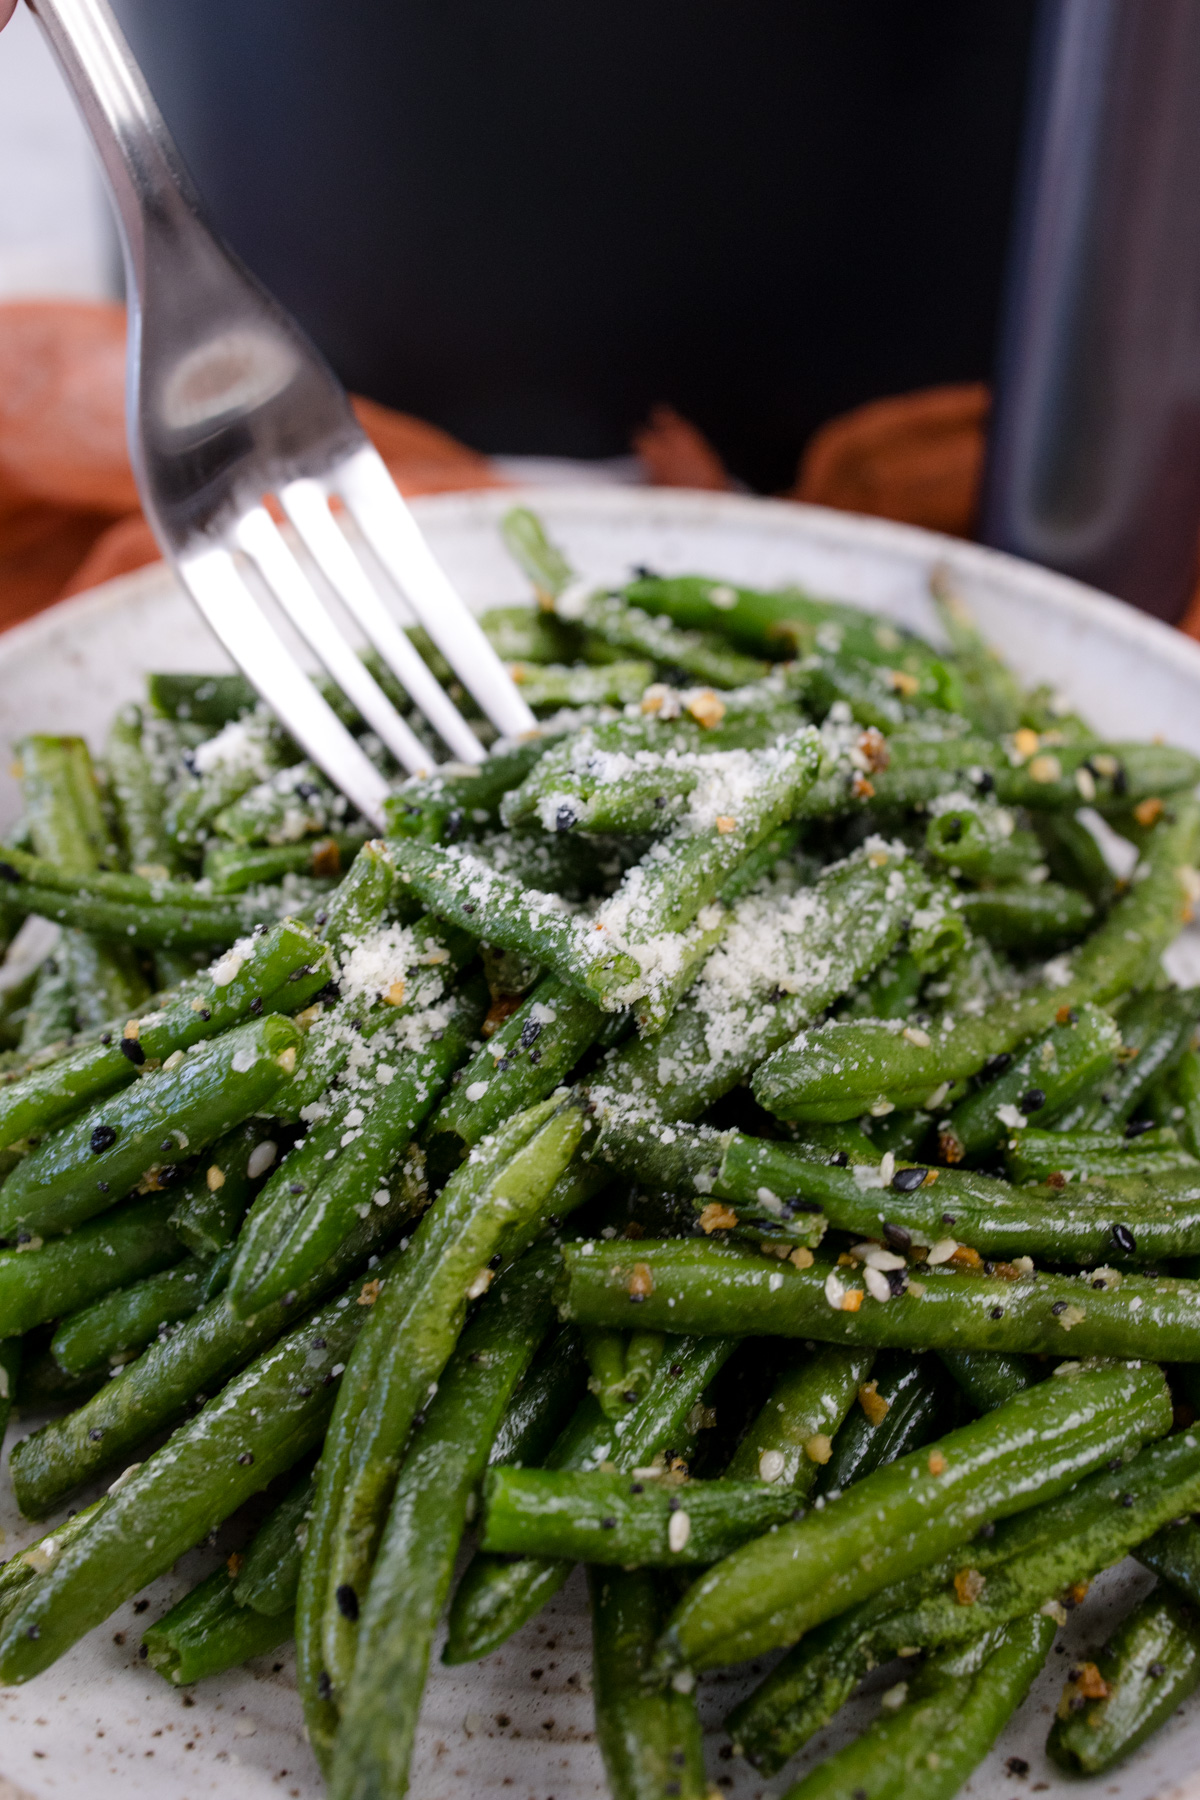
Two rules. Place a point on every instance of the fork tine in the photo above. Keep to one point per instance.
(390, 529)
(258, 535)
(307, 507)
(212, 579)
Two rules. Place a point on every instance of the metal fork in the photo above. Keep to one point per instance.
(229, 404)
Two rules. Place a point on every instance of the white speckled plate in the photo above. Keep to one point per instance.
(518, 1727)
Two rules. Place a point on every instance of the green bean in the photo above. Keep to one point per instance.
(791, 1437)
(41, 1281)
(945, 1725)
(1063, 1066)
(1156, 1030)
(1149, 1665)
(428, 1516)
(774, 622)
(1184, 1094)
(540, 560)
(312, 1202)
(1111, 777)
(1028, 918)
(842, 1069)
(496, 1596)
(541, 1405)
(204, 699)
(906, 1515)
(600, 1518)
(153, 1391)
(152, 915)
(988, 1378)
(1025, 1562)
(1038, 1156)
(546, 687)
(1073, 856)
(243, 753)
(723, 1288)
(270, 1569)
(442, 807)
(257, 1427)
(211, 1204)
(293, 803)
(207, 1632)
(277, 972)
(50, 1014)
(904, 1405)
(992, 698)
(69, 831)
(138, 795)
(706, 656)
(649, 1737)
(412, 1330)
(115, 1327)
(522, 1062)
(605, 1352)
(891, 992)
(529, 634)
(782, 963)
(131, 1138)
(229, 869)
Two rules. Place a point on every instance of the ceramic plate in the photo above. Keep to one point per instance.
(519, 1726)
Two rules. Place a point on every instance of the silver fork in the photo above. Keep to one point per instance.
(228, 403)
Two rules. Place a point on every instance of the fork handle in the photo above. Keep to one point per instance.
(143, 168)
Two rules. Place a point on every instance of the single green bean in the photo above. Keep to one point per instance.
(211, 1204)
(41, 1281)
(1044, 1081)
(207, 1632)
(723, 1288)
(792, 1436)
(1038, 1156)
(412, 1329)
(50, 1015)
(205, 699)
(139, 796)
(904, 1405)
(428, 1516)
(230, 870)
(270, 1569)
(542, 1404)
(988, 1378)
(1029, 918)
(600, 1518)
(1156, 1030)
(992, 697)
(649, 1736)
(1148, 1667)
(115, 1327)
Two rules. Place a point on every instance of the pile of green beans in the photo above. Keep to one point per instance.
(741, 1138)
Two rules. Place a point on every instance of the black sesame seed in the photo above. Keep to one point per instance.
(564, 818)
(1124, 1239)
(995, 1065)
(1127, 1500)
(1136, 1127)
(535, 1056)
(304, 1392)
(103, 1138)
(839, 1159)
(246, 1457)
(949, 1219)
(106, 1038)
(132, 1050)
(1060, 1306)
(1155, 1669)
(637, 1487)
(531, 1031)
(608, 1524)
(907, 1181)
(898, 1237)
(997, 1312)
(347, 1601)
(256, 1005)
(318, 1344)
(1032, 1102)
(324, 1685)
(1115, 1463)
(102, 1186)
(96, 1433)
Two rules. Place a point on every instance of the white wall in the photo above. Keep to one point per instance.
(55, 235)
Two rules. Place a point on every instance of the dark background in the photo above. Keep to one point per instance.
(529, 222)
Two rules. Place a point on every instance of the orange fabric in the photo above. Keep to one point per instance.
(916, 457)
(677, 454)
(69, 515)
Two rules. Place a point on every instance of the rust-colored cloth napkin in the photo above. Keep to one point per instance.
(69, 514)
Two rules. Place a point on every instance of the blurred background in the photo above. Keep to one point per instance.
(934, 259)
